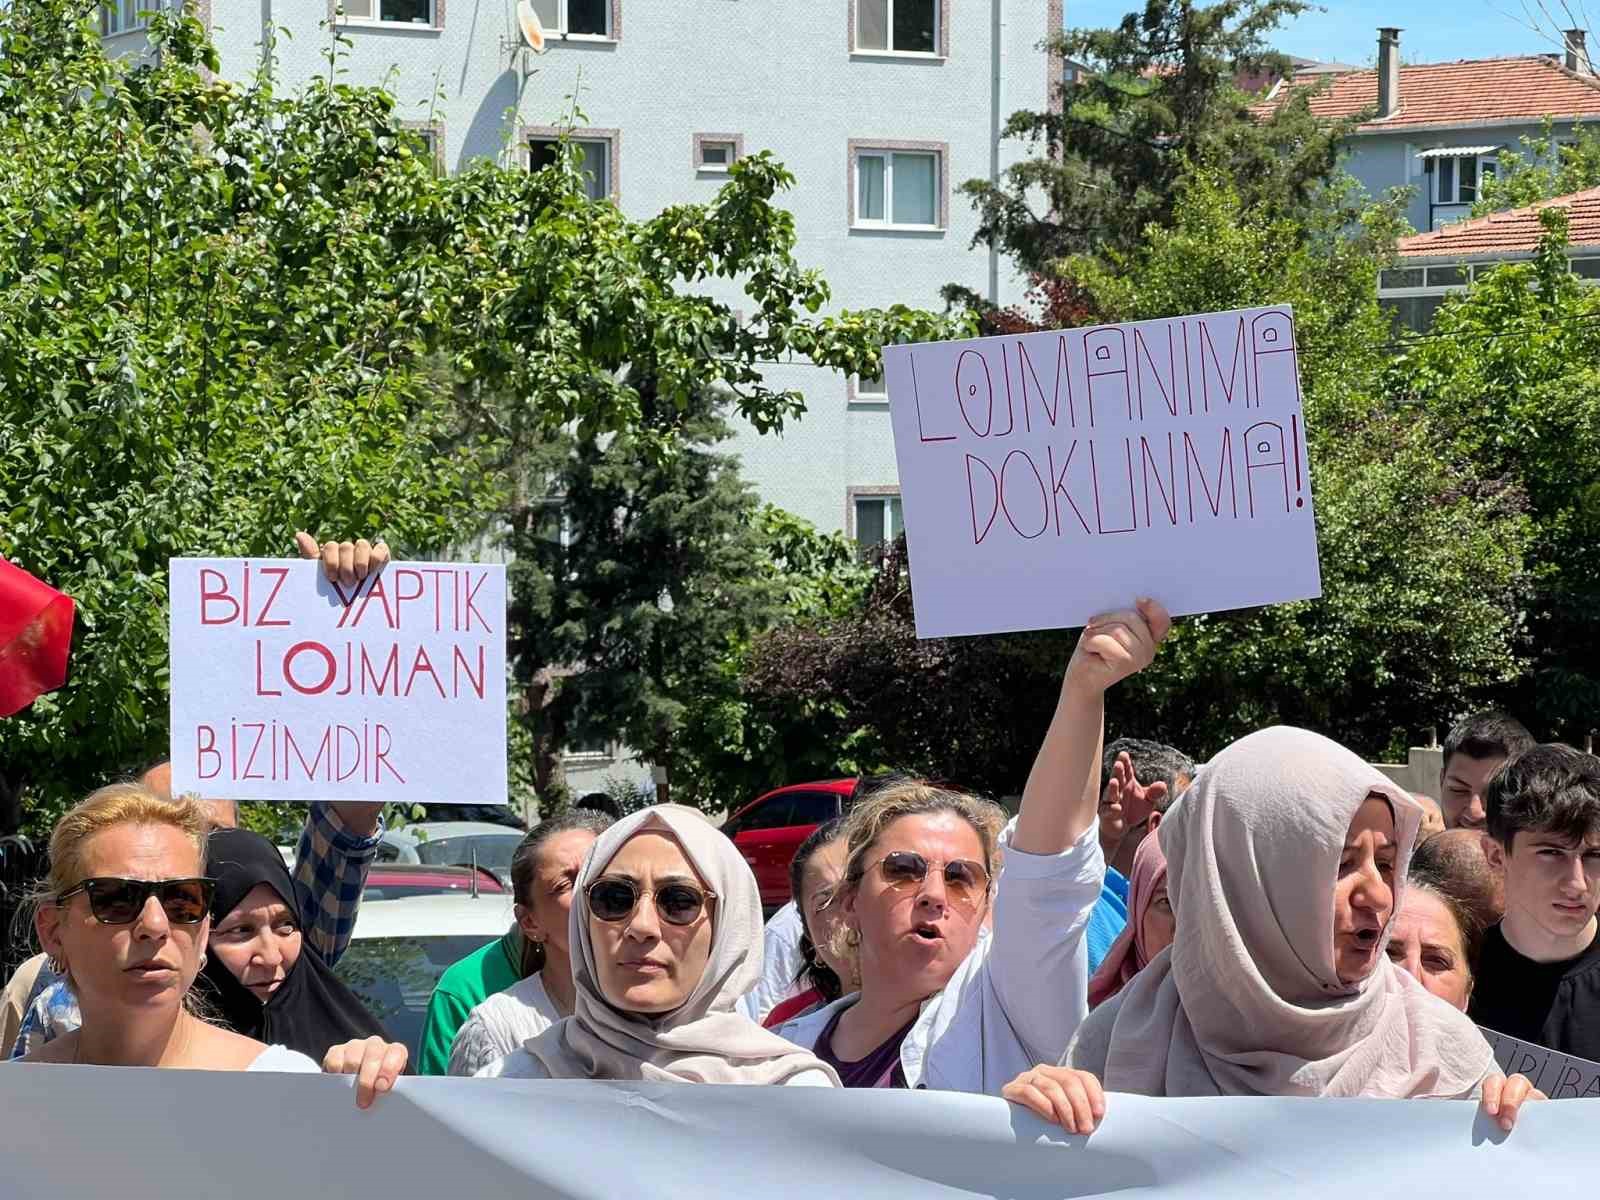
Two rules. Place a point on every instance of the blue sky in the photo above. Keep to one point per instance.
(1347, 30)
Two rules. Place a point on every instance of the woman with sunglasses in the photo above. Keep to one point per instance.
(124, 913)
(943, 1003)
(665, 936)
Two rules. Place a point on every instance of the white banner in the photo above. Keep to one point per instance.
(1050, 476)
(137, 1134)
(288, 687)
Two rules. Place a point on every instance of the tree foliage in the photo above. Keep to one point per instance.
(226, 313)
(1423, 558)
(1166, 90)
(1509, 382)
(1544, 167)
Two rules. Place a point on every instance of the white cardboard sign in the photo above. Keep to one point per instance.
(1557, 1075)
(1048, 477)
(288, 687)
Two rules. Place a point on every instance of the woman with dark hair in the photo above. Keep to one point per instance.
(544, 871)
(815, 874)
(263, 977)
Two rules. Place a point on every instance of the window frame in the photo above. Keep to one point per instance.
(432, 134)
(528, 134)
(856, 394)
(1479, 162)
(434, 23)
(860, 148)
(613, 31)
(941, 33)
(699, 142)
(888, 494)
(137, 23)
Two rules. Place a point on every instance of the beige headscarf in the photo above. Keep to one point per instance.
(705, 1041)
(1248, 1001)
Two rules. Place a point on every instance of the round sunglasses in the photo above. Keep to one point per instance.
(117, 901)
(614, 900)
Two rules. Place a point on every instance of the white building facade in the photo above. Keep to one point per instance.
(881, 108)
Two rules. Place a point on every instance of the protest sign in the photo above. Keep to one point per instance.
(288, 687)
(1050, 476)
(139, 1133)
(1557, 1075)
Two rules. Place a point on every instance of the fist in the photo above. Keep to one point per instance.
(1116, 645)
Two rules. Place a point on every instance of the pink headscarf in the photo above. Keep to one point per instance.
(1129, 954)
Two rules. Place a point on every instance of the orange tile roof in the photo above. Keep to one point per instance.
(1516, 231)
(1458, 93)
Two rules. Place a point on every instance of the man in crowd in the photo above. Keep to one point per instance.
(1128, 814)
(1539, 970)
(1475, 749)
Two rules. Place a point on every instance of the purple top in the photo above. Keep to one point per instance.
(880, 1068)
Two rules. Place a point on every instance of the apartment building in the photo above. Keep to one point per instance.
(881, 108)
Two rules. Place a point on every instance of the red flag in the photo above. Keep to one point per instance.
(35, 635)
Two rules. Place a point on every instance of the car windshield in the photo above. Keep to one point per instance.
(493, 851)
(394, 977)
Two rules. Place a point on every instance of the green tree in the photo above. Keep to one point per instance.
(1165, 92)
(1423, 556)
(226, 313)
(1510, 385)
(635, 574)
(1546, 166)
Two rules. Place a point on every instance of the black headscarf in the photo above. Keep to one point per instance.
(311, 1010)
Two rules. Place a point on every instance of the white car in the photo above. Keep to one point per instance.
(401, 947)
(453, 844)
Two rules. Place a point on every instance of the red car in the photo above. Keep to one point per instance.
(769, 830)
(395, 881)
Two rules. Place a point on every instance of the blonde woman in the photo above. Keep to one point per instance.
(125, 914)
(944, 1003)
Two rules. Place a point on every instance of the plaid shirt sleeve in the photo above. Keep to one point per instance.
(330, 870)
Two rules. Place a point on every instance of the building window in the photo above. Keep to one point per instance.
(868, 391)
(596, 160)
(125, 16)
(576, 18)
(898, 187)
(899, 26)
(876, 520)
(1456, 179)
(430, 135)
(714, 153)
(390, 12)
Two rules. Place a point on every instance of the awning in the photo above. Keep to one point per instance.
(1459, 151)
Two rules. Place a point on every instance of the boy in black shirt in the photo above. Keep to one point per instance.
(1538, 976)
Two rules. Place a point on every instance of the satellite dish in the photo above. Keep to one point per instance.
(530, 28)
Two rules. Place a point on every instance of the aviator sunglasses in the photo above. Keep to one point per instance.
(964, 880)
(114, 901)
(677, 903)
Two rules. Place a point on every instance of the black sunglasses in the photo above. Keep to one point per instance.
(115, 901)
(677, 903)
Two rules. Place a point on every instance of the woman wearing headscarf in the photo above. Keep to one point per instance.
(265, 980)
(1286, 861)
(665, 937)
(1150, 924)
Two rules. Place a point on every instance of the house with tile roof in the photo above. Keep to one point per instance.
(1434, 265)
(1438, 128)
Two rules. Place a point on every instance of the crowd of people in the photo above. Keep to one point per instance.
(1281, 920)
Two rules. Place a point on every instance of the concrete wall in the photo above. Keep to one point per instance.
(778, 73)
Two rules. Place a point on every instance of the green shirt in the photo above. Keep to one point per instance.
(463, 986)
